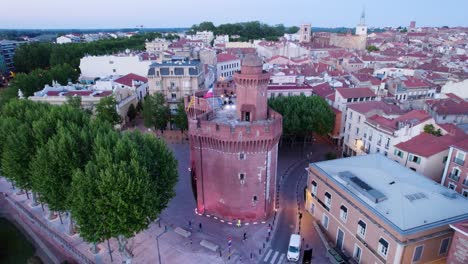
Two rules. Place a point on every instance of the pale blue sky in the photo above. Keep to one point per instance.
(184, 13)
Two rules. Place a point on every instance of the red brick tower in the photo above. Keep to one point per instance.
(234, 148)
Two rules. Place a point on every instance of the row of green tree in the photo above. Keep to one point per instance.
(35, 80)
(156, 113)
(246, 30)
(303, 115)
(45, 55)
(113, 184)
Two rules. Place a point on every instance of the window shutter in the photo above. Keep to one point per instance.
(383, 242)
(344, 209)
(362, 224)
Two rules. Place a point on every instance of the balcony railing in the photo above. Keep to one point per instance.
(387, 146)
(454, 177)
(459, 161)
(379, 143)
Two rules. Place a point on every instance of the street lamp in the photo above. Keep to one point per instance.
(157, 245)
(358, 144)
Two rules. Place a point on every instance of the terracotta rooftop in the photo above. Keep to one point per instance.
(462, 144)
(414, 117)
(223, 57)
(323, 90)
(362, 77)
(367, 107)
(427, 145)
(453, 105)
(127, 79)
(355, 92)
(413, 82)
(289, 87)
(78, 93)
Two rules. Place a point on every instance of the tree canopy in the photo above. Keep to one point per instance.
(372, 48)
(303, 115)
(155, 111)
(35, 80)
(114, 184)
(106, 110)
(430, 129)
(246, 30)
(180, 118)
(45, 55)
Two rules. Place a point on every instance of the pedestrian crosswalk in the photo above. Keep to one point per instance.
(274, 257)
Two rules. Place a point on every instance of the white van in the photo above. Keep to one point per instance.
(294, 249)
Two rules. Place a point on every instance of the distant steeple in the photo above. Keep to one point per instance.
(363, 16)
(361, 28)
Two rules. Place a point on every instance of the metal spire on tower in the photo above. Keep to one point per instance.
(363, 16)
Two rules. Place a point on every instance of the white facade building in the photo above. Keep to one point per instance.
(205, 36)
(68, 39)
(103, 66)
(355, 123)
(227, 65)
(221, 39)
(381, 134)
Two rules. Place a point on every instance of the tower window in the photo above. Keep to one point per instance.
(242, 178)
(255, 199)
(242, 156)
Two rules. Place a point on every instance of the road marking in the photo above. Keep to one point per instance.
(281, 258)
(268, 255)
(274, 257)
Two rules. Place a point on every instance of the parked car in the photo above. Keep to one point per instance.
(294, 249)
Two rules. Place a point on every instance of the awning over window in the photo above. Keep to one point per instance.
(383, 242)
(328, 195)
(362, 224)
(343, 208)
(314, 183)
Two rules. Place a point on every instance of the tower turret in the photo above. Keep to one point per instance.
(251, 90)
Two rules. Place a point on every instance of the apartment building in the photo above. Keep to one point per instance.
(227, 64)
(459, 246)
(406, 88)
(373, 210)
(448, 110)
(381, 134)
(157, 45)
(455, 175)
(344, 96)
(175, 80)
(92, 67)
(355, 122)
(7, 54)
(425, 153)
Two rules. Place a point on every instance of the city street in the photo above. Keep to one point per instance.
(291, 192)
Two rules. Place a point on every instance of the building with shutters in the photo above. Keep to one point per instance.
(373, 210)
(176, 79)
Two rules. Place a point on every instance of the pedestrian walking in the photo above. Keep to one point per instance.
(200, 227)
(239, 223)
(190, 224)
(245, 236)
